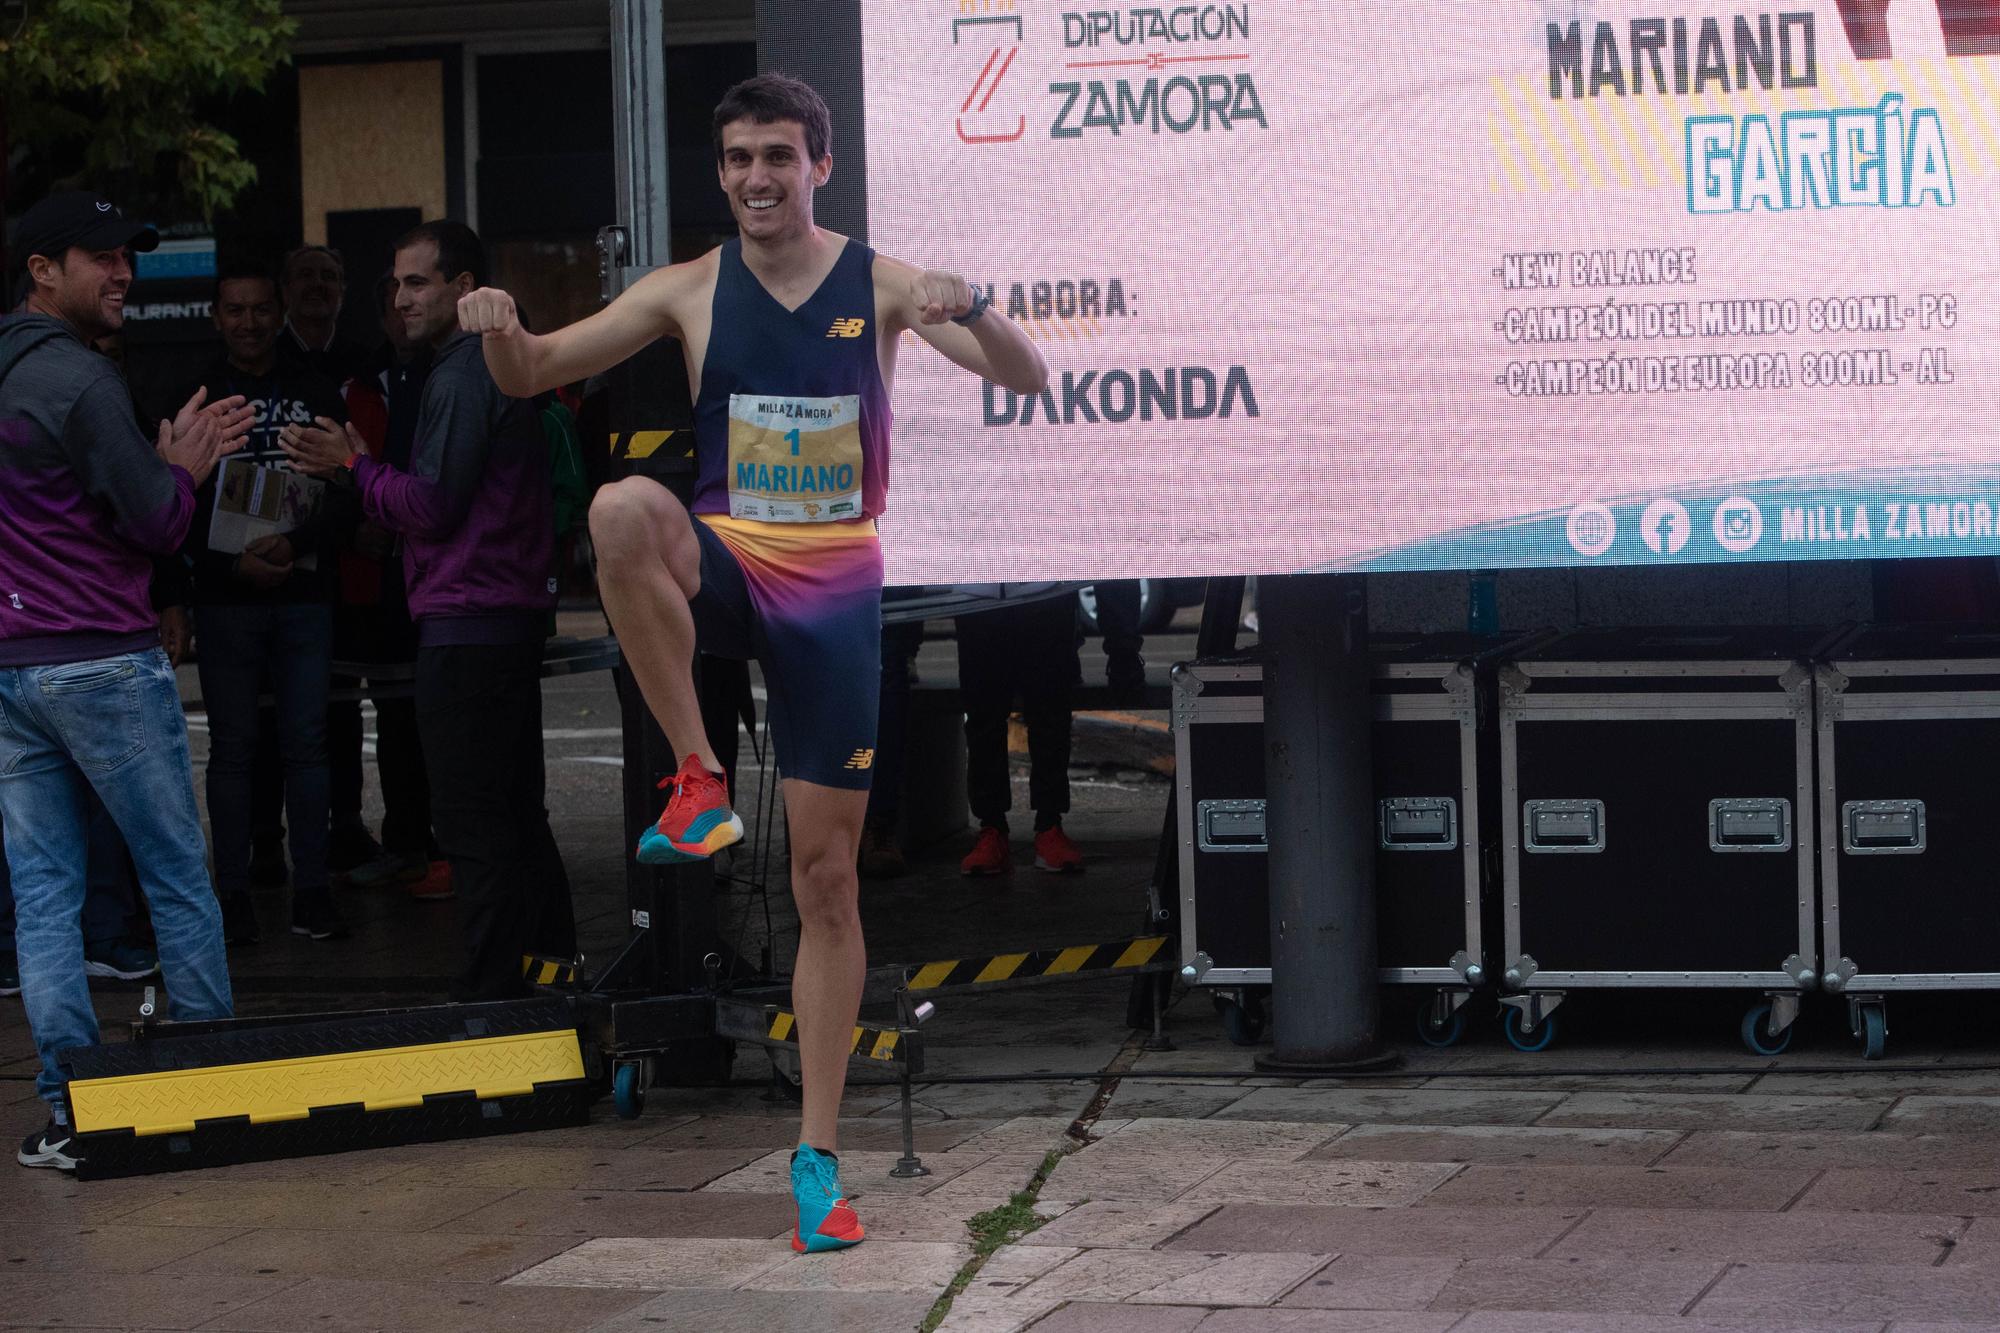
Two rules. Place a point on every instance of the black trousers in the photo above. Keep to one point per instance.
(1027, 652)
(479, 709)
(383, 634)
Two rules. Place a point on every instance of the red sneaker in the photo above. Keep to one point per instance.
(697, 821)
(435, 886)
(989, 856)
(1055, 853)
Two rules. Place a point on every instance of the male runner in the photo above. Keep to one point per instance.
(790, 334)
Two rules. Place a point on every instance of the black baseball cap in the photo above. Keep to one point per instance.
(79, 217)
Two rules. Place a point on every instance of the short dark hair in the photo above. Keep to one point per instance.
(458, 246)
(240, 270)
(294, 256)
(770, 98)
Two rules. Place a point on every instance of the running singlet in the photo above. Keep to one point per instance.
(792, 424)
(792, 448)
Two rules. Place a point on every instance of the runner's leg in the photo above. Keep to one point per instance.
(649, 569)
(825, 827)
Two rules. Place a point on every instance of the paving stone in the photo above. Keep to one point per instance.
(1611, 1081)
(271, 1203)
(1119, 1226)
(580, 1168)
(540, 1212)
(861, 1174)
(1979, 1244)
(1624, 1186)
(66, 1247)
(1354, 1183)
(1598, 1285)
(1882, 1149)
(387, 1256)
(1325, 1321)
(1968, 1193)
(1817, 1238)
(1096, 1317)
(130, 1300)
(1411, 1232)
(1499, 1144)
(1141, 1099)
(1131, 1177)
(1032, 1133)
(902, 1267)
(1418, 1106)
(1853, 1291)
(1236, 1279)
(1114, 1275)
(940, 1216)
(342, 1305)
(1240, 1140)
(1963, 1115)
(1926, 1326)
(771, 1312)
(1543, 1322)
(999, 1101)
(1004, 1173)
(1374, 1282)
(1653, 1110)
(756, 1135)
(1883, 1083)
(1012, 1267)
(656, 1263)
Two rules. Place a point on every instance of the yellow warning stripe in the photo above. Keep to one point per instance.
(875, 1043)
(1001, 968)
(1116, 956)
(1069, 960)
(175, 1101)
(931, 975)
(1139, 953)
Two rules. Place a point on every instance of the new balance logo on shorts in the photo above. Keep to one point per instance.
(860, 759)
(847, 328)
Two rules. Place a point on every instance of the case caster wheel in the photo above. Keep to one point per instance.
(1757, 1036)
(1538, 1039)
(626, 1095)
(1242, 1019)
(1872, 1026)
(1430, 1034)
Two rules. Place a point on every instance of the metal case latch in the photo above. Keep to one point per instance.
(1750, 824)
(1417, 823)
(1882, 828)
(1564, 826)
(1229, 826)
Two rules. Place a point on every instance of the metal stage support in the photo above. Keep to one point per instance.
(1324, 990)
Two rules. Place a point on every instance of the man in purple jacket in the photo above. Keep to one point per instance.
(474, 511)
(87, 698)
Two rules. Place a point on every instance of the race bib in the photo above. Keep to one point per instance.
(794, 460)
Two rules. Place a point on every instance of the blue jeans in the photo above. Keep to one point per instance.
(112, 726)
(111, 897)
(238, 645)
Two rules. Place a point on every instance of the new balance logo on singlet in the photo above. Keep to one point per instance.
(860, 759)
(847, 328)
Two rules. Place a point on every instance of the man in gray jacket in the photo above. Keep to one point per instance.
(87, 697)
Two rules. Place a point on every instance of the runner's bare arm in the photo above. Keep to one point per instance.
(994, 347)
(526, 363)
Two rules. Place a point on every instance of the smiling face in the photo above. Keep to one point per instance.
(769, 179)
(84, 288)
(426, 300)
(248, 316)
(313, 287)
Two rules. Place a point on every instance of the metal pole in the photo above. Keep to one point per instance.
(639, 121)
(1320, 801)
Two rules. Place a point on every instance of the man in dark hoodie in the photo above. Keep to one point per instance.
(87, 698)
(475, 514)
(263, 612)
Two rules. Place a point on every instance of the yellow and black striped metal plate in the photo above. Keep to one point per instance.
(547, 971)
(1079, 962)
(869, 1043)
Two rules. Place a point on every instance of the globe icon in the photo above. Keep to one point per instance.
(1593, 528)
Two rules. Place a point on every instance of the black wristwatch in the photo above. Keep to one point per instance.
(980, 303)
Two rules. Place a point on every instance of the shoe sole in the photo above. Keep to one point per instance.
(91, 969)
(985, 872)
(60, 1161)
(312, 934)
(821, 1244)
(9, 990)
(1046, 868)
(657, 849)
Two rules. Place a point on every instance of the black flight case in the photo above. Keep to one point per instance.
(1909, 721)
(1655, 784)
(1435, 850)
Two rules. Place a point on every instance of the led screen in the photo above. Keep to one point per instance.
(1441, 284)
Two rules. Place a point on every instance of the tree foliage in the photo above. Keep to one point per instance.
(124, 84)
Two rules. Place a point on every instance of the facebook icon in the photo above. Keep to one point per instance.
(1666, 527)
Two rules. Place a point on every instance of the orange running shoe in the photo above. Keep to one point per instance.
(989, 856)
(697, 821)
(1055, 853)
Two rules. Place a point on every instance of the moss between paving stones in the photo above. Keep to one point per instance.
(994, 1228)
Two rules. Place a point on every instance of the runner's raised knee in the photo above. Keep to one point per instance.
(636, 518)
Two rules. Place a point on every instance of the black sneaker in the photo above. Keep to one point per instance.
(315, 917)
(267, 866)
(349, 847)
(49, 1147)
(239, 919)
(122, 960)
